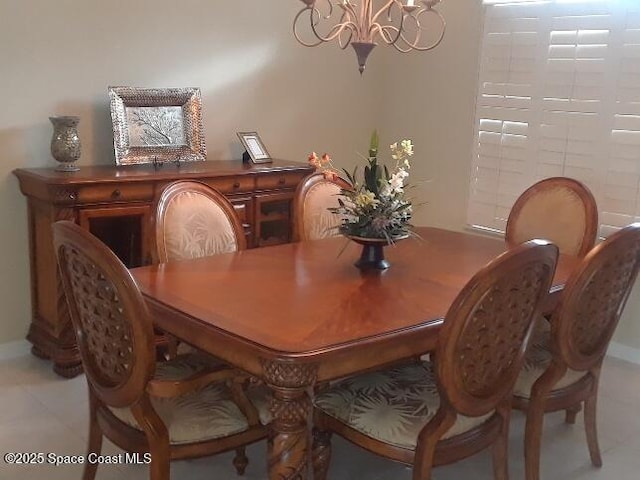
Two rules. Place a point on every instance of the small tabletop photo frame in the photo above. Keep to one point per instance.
(255, 148)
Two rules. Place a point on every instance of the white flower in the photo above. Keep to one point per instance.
(386, 191)
(407, 147)
(396, 181)
(402, 152)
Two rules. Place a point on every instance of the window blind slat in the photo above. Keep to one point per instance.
(559, 95)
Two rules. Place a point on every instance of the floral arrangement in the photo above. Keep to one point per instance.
(377, 207)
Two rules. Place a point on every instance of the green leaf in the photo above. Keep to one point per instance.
(373, 144)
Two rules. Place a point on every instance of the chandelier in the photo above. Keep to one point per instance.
(360, 25)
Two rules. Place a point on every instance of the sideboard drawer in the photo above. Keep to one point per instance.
(279, 180)
(238, 184)
(115, 193)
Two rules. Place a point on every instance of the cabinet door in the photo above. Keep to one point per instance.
(273, 215)
(125, 230)
(244, 208)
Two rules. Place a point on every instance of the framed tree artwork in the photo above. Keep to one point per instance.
(156, 125)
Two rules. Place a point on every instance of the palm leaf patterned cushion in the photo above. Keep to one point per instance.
(391, 405)
(318, 221)
(195, 226)
(538, 359)
(199, 415)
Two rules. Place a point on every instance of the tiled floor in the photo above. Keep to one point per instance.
(40, 412)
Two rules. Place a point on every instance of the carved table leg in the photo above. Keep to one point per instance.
(290, 435)
(321, 453)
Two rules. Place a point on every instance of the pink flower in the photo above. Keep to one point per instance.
(314, 160)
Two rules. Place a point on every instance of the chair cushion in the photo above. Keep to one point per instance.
(390, 405)
(196, 226)
(538, 359)
(200, 415)
(318, 222)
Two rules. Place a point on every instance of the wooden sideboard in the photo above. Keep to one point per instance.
(117, 205)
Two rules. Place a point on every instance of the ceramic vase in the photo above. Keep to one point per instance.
(65, 143)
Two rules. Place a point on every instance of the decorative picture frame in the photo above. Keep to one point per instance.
(157, 125)
(256, 150)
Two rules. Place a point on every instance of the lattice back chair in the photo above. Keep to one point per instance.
(430, 414)
(558, 209)
(315, 194)
(177, 409)
(562, 369)
(194, 220)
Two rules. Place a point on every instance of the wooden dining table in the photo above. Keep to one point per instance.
(298, 314)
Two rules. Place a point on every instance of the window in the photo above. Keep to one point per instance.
(558, 95)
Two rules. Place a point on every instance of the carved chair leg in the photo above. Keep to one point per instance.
(533, 440)
(157, 438)
(571, 413)
(500, 450)
(321, 453)
(591, 428)
(240, 461)
(95, 440)
(160, 467)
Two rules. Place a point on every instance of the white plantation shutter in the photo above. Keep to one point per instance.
(559, 95)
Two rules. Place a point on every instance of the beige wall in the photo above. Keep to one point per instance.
(58, 57)
(253, 76)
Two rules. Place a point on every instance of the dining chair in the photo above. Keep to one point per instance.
(559, 209)
(194, 220)
(314, 196)
(176, 409)
(562, 369)
(434, 413)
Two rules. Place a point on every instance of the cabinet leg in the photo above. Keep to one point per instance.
(36, 352)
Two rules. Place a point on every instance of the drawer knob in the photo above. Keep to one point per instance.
(116, 193)
(236, 185)
(281, 181)
(72, 195)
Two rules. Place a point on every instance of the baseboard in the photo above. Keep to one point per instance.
(14, 349)
(624, 352)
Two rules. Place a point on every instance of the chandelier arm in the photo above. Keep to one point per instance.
(295, 30)
(348, 42)
(386, 6)
(386, 36)
(399, 48)
(384, 32)
(335, 30)
(382, 29)
(352, 17)
(328, 15)
(437, 41)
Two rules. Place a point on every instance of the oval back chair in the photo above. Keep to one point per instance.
(432, 414)
(193, 220)
(174, 409)
(314, 196)
(558, 209)
(562, 369)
